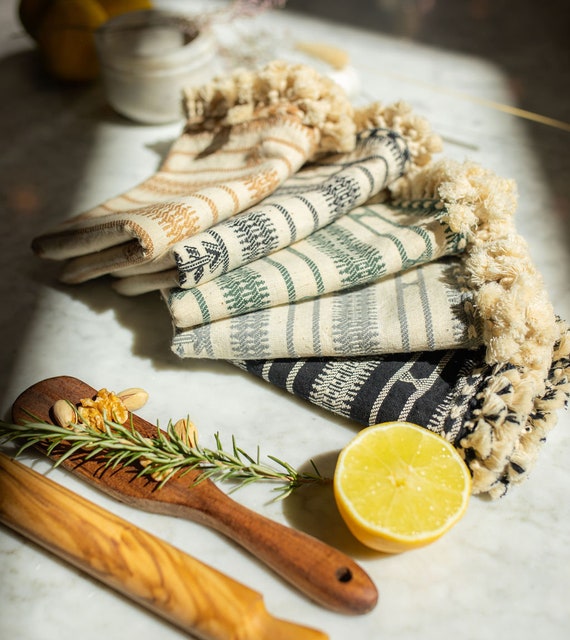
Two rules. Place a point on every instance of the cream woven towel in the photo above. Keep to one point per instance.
(313, 197)
(496, 296)
(370, 242)
(446, 208)
(245, 135)
(427, 307)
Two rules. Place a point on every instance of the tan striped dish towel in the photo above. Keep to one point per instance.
(310, 199)
(245, 135)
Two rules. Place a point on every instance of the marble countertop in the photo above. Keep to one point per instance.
(503, 571)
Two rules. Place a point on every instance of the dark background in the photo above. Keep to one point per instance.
(529, 40)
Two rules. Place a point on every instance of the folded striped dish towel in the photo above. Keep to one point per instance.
(244, 136)
(327, 250)
(452, 328)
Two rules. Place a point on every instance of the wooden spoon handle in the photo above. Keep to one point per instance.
(319, 570)
(186, 592)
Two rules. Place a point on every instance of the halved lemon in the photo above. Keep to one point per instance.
(399, 486)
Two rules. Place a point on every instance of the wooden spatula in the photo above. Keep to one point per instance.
(323, 573)
(140, 566)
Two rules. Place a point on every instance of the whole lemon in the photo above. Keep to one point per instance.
(66, 41)
(118, 7)
(64, 31)
(31, 14)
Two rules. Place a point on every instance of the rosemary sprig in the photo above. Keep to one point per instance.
(160, 456)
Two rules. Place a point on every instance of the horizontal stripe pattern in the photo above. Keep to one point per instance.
(368, 243)
(241, 169)
(408, 311)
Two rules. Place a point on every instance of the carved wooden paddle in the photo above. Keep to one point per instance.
(172, 584)
(323, 573)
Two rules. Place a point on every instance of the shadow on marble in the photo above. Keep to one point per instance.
(40, 173)
(145, 317)
(528, 44)
(312, 509)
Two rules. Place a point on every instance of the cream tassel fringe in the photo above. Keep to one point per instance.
(277, 89)
(399, 117)
(526, 346)
(297, 90)
(519, 324)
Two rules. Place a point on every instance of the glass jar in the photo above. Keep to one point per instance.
(147, 57)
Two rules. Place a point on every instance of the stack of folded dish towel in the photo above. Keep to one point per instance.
(332, 252)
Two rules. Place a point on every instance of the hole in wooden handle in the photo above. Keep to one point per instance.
(344, 574)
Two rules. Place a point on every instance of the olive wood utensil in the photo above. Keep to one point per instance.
(172, 584)
(318, 570)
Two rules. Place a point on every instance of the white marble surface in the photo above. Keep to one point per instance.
(503, 571)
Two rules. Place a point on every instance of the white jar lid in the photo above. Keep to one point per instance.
(142, 42)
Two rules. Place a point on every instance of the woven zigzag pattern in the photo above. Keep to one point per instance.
(381, 317)
(308, 200)
(370, 242)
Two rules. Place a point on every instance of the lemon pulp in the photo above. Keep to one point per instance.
(400, 486)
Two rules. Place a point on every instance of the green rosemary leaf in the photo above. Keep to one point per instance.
(245, 455)
(241, 484)
(206, 475)
(160, 439)
(131, 458)
(68, 453)
(317, 472)
(52, 446)
(234, 447)
(165, 479)
(159, 457)
(264, 470)
(285, 465)
(189, 466)
(95, 451)
(26, 446)
(201, 477)
(119, 457)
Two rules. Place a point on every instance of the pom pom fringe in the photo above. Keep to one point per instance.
(527, 347)
(279, 89)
